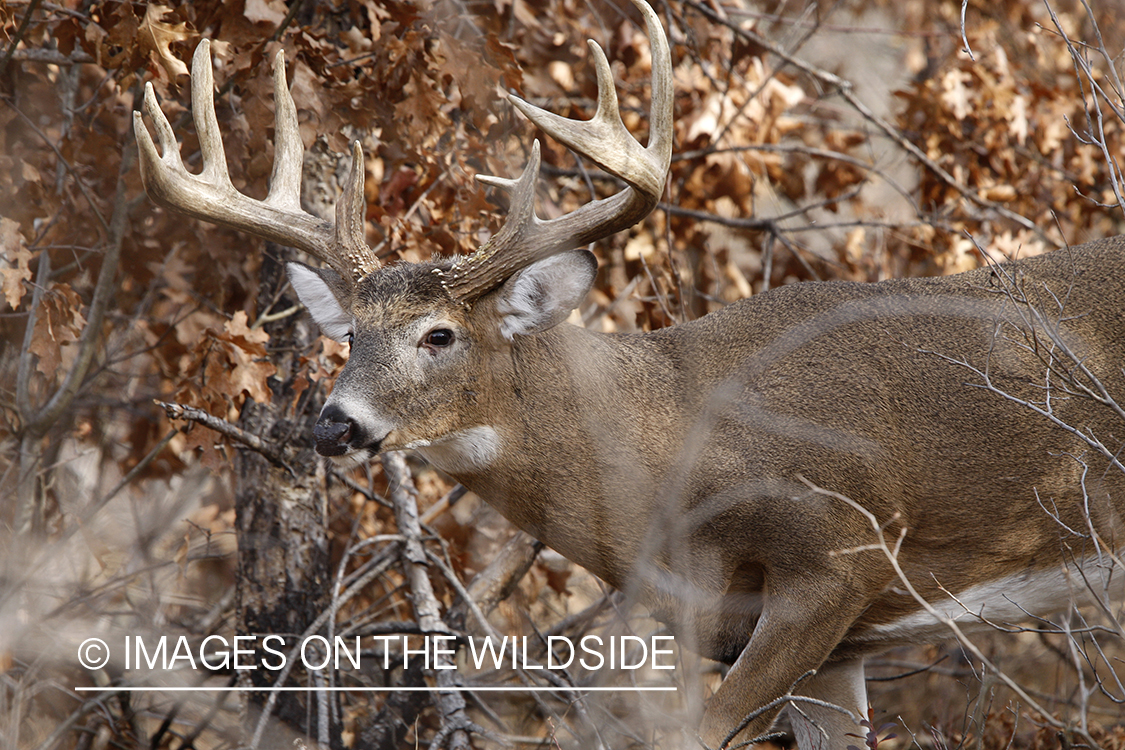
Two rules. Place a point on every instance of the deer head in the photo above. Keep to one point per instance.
(422, 334)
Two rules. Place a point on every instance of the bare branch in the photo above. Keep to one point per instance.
(225, 428)
(455, 722)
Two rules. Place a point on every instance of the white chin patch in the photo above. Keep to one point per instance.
(469, 450)
(352, 458)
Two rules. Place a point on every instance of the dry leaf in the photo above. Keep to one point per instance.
(17, 257)
(181, 557)
(956, 95)
(58, 323)
(239, 330)
(248, 369)
(157, 36)
(265, 11)
(1019, 126)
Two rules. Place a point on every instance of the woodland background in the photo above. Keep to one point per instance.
(849, 140)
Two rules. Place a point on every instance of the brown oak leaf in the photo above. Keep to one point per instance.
(58, 323)
(246, 351)
(17, 257)
(156, 36)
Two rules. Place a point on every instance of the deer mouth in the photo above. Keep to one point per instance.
(342, 438)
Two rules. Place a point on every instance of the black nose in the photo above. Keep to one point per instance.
(332, 432)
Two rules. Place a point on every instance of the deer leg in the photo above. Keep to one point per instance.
(817, 727)
(799, 628)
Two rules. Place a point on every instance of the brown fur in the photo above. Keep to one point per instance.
(673, 463)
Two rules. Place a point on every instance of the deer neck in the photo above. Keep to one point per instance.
(570, 465)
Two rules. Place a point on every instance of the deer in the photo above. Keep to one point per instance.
(727, 470)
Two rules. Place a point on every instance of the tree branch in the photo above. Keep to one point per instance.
(225, 428)
(455, 721)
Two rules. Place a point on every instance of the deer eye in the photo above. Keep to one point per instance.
(438, 338)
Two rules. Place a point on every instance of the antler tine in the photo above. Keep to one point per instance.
(502, 255)
(211, 196)
(524, 238)
(351, 237)
(288, 150)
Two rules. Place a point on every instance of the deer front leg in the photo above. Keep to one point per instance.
(798, 630)
(818, 727)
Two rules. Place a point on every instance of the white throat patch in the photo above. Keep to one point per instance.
(468, 450)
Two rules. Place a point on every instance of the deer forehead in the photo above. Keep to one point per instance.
(400, 296)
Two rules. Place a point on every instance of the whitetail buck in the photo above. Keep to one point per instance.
(971, 414)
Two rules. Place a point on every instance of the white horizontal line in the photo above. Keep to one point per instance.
(458, 689)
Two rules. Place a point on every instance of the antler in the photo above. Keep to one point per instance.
(211, 196)
(525, 238)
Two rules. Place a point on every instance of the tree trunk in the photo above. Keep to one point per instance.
(283, 553)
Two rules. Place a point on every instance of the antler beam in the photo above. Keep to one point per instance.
(211, 196)
(525, 238)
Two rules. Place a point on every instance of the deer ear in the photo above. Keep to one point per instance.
(324, 292)
(542, 295)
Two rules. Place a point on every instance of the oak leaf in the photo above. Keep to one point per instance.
(156, 36)
(956, 95)
(58, 323)
(246, 357)
(17, 257)
(265, 11)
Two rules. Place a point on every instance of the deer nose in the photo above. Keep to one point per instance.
(332, 432)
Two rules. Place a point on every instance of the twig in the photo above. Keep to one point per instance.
(23, 374)
(37, 425)
(65, 726)
(466, 597)
(29, 442)
(846, 90)
(31, 8)
(225, 428)
(52, 57)
(294, 9)
(291, 658)
(58, 544)
(812, 151)
(1082, 65)
(127, 164)
(496, 582)
(274, 317)
(447, 501)
(964, 37)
